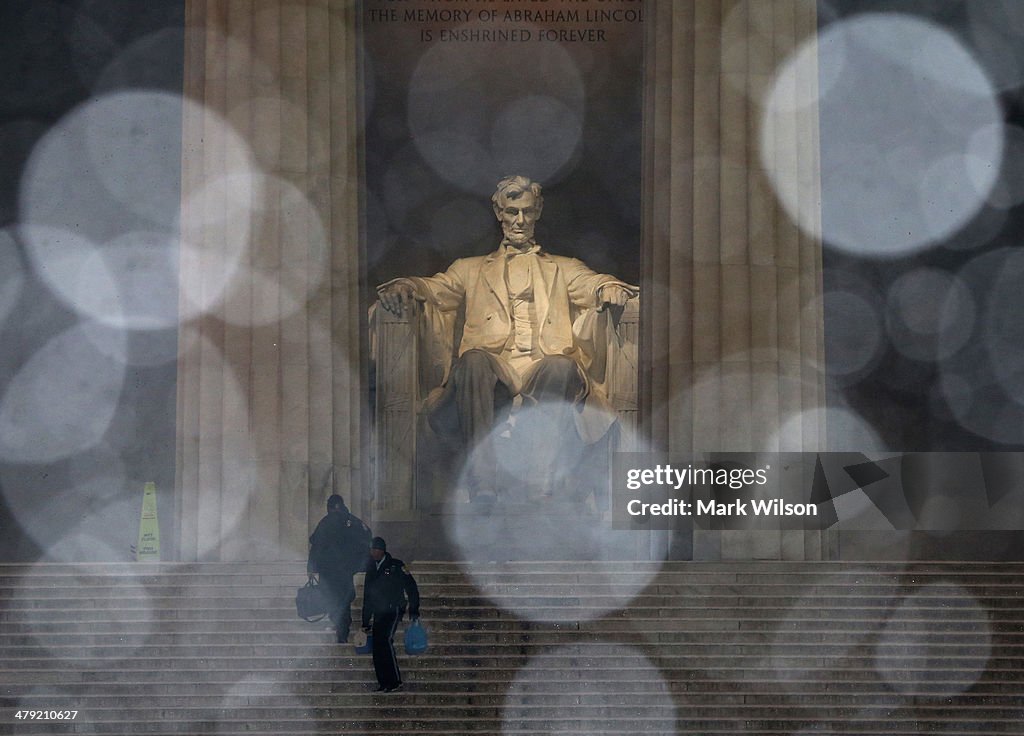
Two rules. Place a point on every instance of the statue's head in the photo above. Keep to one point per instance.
(517, 204)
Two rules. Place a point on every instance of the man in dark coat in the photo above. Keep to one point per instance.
(337, 552)
(386, 588)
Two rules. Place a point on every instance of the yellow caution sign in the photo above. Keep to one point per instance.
(148, 548)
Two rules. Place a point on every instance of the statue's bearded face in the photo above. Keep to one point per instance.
(518, 218)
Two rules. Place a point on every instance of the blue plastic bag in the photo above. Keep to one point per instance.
(415, 638)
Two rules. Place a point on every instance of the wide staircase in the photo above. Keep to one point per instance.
(523, 648)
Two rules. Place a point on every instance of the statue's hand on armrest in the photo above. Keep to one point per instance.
(397, 296)
(613, 295)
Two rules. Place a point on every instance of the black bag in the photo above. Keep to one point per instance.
(310, 602)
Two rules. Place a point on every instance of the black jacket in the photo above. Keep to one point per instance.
(388, 587)
(339, 545)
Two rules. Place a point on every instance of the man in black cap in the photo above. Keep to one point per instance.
(385, 590)
(337, 552)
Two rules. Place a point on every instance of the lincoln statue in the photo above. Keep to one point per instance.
(534, 328)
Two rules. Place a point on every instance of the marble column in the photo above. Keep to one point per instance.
(272, 350)
(734, 320)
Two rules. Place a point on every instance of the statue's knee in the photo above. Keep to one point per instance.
(474, 359)
(473, 363)
(559, 365)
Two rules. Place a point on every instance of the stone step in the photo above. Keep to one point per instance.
(737, 566)
(486, 619)
(731, 647)
(453, 631)
(745, 673)
(693, 570)
(339, 694)
(243, 728)
(242, 575)
(515, 599)
(949, 667)
(555, 610)
(245, 722)
(1009, 595)
(507, 631)
(450, 607)
(371, 706)
(293, 683)
(742, 572)
(945, 682)
(459, 706)
(700, 575)
(665, 650)
(443, 637)
(660, 583)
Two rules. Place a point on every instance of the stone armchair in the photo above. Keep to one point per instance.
(408, 361)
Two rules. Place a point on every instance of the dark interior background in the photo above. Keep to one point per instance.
(445, 121)
(56, 56)
(902, 396)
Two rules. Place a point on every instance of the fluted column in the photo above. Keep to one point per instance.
(271, 363)
(734, 322)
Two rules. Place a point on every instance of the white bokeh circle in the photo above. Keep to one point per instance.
(61, 401)
(113, 164)
(983, 383)
(230, 257)
(846, 431)
(531, 705)
(132, 141)
(125, 626)
(473, 120)
(982, 407)
(552, 504)
(911, 655)
(930, 314)
(517, 144)
(814, 626)
(141, 347)
(38, 499)
(59, 257)
(216, 227)
(908, 102)
(128, 283)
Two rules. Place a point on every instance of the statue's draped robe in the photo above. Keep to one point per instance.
(470, 301)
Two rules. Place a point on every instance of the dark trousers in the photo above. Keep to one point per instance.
(385, 662)
(475, 395)
(340, 594)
